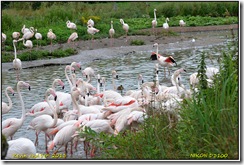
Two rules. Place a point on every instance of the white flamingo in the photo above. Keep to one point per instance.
(21, 148)
(16, 35)
(11, 125)
(125, 26)
(91, 30)
(72, 37)
(154, 21)
(163, 61)
(28, 35)
(38, 36)
(182, 23)
(111, 33)
(5, 107)
(166, 25)
(4, 38)
(16, 62)
(90, 22)
(71, 25)
(88, 73)
(25, 30)
(51, 36)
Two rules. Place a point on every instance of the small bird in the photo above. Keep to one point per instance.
(51, 35)
(38, 36)
(72, 37)
(90, 22)
(111, 33)
(16, 35)
(71, 25)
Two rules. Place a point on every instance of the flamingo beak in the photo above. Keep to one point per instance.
(55, 98)
(142, 81)
(101, 84)
(117, 77)
(62, 87)
(29, 88)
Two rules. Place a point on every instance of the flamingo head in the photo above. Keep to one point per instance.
(11, 90)
(115, 75)
(156, 44)
(155, 10)
(121, 21)
(24, 84)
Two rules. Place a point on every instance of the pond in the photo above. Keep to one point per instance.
(127, 66)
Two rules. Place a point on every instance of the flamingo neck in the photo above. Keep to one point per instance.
(75, 104)
(155, 15)
(22, 105)
(67, 77)
(9, 99)
(111, 26)
(55, 110)
(15, 53)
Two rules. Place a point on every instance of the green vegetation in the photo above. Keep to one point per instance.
(53, 15)
(39, 54)
(208, 129)
(137, 42)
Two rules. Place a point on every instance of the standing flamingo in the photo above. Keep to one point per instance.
(163, 61)
(16, 35)
(21, 148)
(16, 62)
(38, 36)
(5, 107)
(91, 30)
(72, 37)
(29, 34)
(29, 45)
(166, 25)
(4, 38)
(125, 27)
(154, 22)
(24, 30)
(51, 35)
(43, 122)
(71, 25)
(111, 33)
(64, 136)
(11, 125)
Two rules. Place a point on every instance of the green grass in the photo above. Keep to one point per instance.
(39, 54)
(209, 124)
(53, 15)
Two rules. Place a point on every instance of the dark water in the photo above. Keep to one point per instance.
(128, 67)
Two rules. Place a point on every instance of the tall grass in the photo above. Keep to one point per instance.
(209, 127)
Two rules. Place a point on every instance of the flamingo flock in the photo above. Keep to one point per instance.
(63, 116)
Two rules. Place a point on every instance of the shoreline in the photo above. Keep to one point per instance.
(204, 36)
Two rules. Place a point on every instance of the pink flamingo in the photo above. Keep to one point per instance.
(38, 37)
(72, 37)
(5, 107)
(90, 22)
(43, 122)
(88, 72)
(91, 30)
(163, 61)
(51, 35)
(16, 62)
(11, 125)
(71, 25)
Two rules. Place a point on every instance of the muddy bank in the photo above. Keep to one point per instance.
(102, 48)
